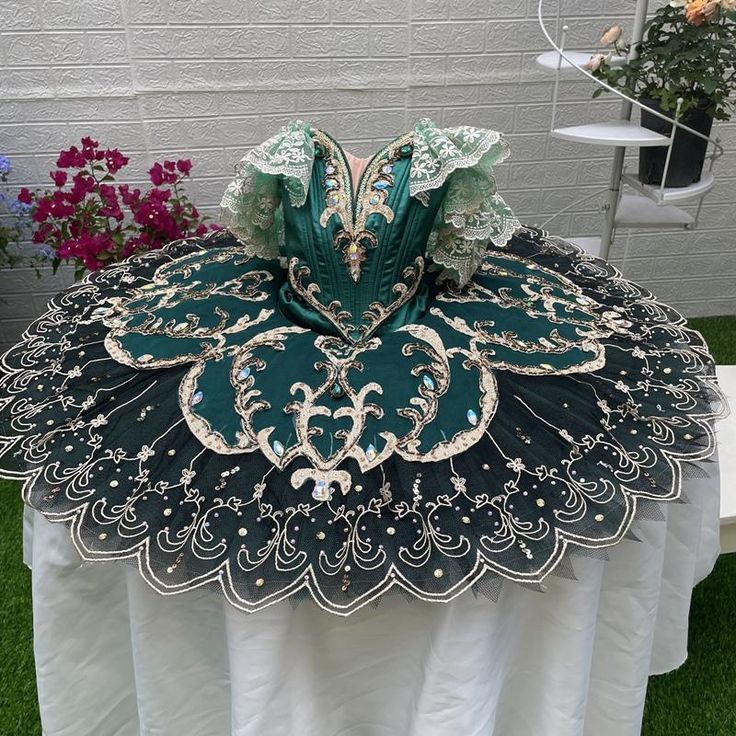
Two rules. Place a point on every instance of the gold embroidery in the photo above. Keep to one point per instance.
(354, 238)
(376, 314)
(147, 301)
(333, 312)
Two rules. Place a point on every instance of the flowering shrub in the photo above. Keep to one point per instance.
(14, 223)
(688, 52)
(92, 221)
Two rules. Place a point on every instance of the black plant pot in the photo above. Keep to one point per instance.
(688, 151)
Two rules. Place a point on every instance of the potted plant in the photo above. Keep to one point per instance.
(688, 53)
(90, 220)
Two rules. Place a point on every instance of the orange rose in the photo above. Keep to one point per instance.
(698, 12)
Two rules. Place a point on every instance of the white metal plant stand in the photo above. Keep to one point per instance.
(648, 206)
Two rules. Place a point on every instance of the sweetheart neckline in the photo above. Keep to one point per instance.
(356, 186)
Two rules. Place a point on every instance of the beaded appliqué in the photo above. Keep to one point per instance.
(354, 238)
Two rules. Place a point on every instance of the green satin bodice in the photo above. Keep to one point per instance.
(357, 239)
(362, 257)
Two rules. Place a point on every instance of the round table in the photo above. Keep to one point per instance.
(114, 658)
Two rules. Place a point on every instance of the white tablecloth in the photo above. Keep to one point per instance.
(114, 658)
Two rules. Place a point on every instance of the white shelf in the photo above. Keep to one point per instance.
(672, 195)
(639, 211)
(618, 133)
(550, 59)
(591, 245)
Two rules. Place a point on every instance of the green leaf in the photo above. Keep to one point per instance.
(709, 85)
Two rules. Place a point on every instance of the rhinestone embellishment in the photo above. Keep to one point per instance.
(321, 491)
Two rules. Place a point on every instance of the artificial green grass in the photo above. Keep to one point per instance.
(18, 700)
(720, 334)
(699, 699)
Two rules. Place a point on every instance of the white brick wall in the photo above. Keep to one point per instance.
(210, 78)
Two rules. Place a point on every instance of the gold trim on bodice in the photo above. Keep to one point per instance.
(374, 185)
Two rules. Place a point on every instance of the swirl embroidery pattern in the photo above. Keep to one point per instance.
(562, 464)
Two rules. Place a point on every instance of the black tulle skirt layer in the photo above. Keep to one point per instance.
(567, 461)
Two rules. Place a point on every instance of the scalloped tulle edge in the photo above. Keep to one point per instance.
(221, 581)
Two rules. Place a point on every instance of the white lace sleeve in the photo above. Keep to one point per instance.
(472, 212)
(250, 207)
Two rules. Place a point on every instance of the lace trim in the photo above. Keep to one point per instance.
(440, 151)
(250, 206)
(472, 211)
(290, 154)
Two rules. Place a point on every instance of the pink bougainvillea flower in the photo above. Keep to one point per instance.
(65, 249)
(82, 186)
(115, 160)
(87, 248)
(89, 148)
(83, 220)
(130, 197)
(59, 177)
(45, 233)
(159, 195)
(110, 198)
(159, 175)
(42, 211)
(71, 159)
(58, 206)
